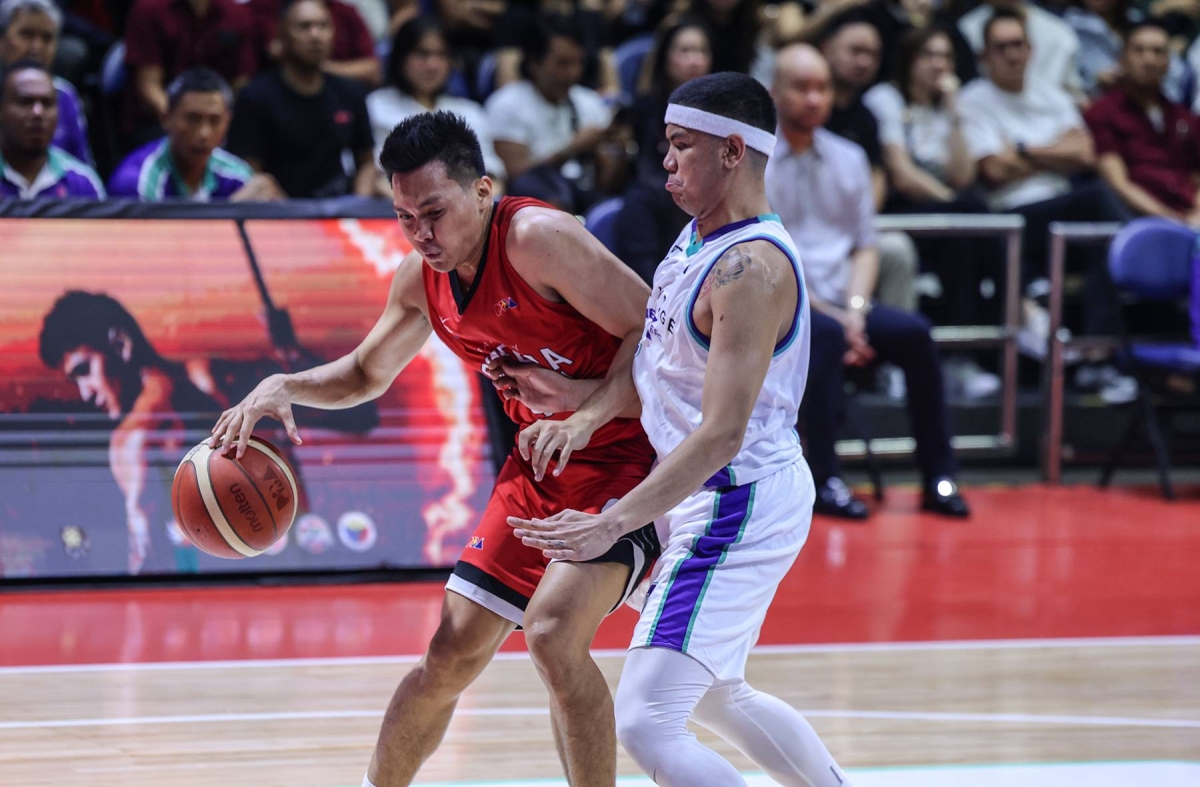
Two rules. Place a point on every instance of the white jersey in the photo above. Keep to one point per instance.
(671, 357)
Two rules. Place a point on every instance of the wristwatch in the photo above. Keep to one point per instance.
(860, 304)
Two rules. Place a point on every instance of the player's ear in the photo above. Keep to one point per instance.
(483, 190)
(733, 151)
(121, 343)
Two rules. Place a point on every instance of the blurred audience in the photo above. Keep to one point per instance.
(931, 170)
(920, 128)
(164, 38)
(521, 20)
(29, 30)
(851, 49)
(650, 220)
(418, 70)
(308, 129)
(353, 55)
(187, 163)
(1033, 151)
(30, 167)
(1147, 146)
(1055, 47)
(820, 185)
(893, 19)
(550, 131)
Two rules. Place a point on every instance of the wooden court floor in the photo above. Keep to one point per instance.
(1058, 626)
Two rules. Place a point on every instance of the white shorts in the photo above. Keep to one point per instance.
(724, 553)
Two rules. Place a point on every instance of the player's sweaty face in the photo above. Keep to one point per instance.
(693, 164)
(88, 368)
(440, 218)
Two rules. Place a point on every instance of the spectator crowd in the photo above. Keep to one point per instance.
(1080, 110)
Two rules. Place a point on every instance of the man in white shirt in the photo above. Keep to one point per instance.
(1055, 44)
(1029, 141)
(820, 186)
(547, 127)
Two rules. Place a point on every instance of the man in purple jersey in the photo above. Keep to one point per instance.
(29, 31)
(187, 163)
(30, 168)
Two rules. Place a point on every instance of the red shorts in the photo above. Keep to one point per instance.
(500, 573)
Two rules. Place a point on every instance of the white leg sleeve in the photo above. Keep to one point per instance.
(772, 734)
(659, 690)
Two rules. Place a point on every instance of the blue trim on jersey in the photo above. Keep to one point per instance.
(723, 477)
(697, 242)
(801, 296)
(689, 581)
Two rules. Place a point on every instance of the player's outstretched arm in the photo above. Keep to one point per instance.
(752, 301)
(568, 259)
(357, 377)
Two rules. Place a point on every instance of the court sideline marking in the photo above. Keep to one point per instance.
(933, 716)
(856, 647)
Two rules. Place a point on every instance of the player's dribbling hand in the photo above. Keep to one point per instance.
(235, 425)
(569, 535)
(540, 441)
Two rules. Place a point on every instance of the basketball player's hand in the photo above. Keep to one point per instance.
(236, 424)
(569, 535)
(540, 441)
(539, 389)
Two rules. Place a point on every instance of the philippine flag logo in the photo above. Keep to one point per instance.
(504, 305)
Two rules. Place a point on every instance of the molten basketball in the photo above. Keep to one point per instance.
(230, 507)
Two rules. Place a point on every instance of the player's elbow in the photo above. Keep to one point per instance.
(724, 442)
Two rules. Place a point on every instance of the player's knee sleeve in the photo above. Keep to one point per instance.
(659, 690)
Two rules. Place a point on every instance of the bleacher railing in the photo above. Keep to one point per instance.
(1061, 235)
(1010, 228)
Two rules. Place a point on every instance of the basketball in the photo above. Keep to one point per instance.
(234, 508)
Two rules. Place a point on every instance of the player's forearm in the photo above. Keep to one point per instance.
(697, 459)
(338, 385)
(615, 396)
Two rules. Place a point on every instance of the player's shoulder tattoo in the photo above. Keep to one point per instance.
(730, 266)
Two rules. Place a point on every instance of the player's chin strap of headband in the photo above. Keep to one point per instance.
(721, 126)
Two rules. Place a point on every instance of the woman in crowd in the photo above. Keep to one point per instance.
(650, 219)
(417, 73)
(932, 171)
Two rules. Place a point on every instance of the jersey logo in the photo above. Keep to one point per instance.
(476, 542)
(504, 304)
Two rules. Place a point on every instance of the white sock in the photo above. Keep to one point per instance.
(772, 734)
(367, 782)
(659, 690)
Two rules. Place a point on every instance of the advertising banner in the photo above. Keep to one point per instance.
(121, 341)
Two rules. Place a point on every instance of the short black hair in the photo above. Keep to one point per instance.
(197, 80)
(549, 27)
(999, 15)
(733, 95)
(433, 136)
(83, 319)
(24, 64)
(407, 38)
(853, 16)
(1150, 23)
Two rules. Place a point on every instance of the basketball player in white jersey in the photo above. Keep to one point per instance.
(720, 372)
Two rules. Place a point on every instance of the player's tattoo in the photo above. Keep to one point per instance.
(730, 268)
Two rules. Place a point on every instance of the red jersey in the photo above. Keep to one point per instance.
(501, 315)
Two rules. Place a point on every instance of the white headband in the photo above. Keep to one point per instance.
(721, 126)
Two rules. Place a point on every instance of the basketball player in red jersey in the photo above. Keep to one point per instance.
(501, 283)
